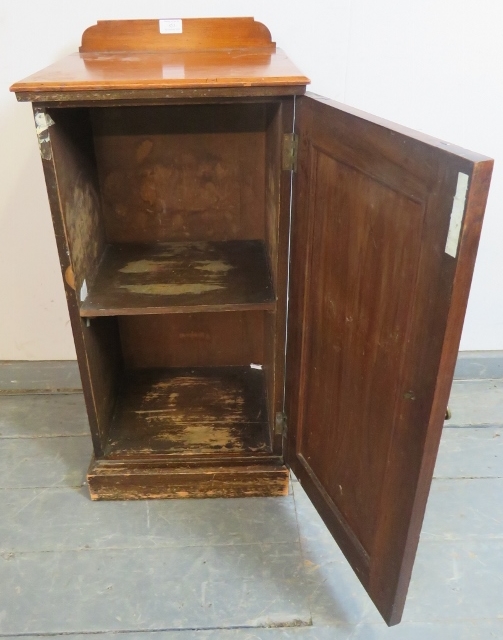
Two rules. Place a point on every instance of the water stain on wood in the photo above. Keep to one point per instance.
(163, 289)
(213, 266)
(181, 173)
(143, 150)
(151, 266)
(142, 266)
(181, 274)
(83, 227)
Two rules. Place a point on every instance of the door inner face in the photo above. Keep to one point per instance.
(376, 309)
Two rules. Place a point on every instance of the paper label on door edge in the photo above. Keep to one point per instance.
(458, 208)
(172, 25)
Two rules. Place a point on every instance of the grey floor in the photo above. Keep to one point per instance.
(232, 569)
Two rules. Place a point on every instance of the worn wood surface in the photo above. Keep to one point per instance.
(65, 142)
(193, 339)
(146, 71)
(182, 172)
(203, 34)
(374, 325)
(143, 97)
(131, 55)
(72, 147)
(190, 412)
(130, 481)
(180, 277)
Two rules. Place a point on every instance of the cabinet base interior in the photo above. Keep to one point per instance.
(189, 432)
(190, 411)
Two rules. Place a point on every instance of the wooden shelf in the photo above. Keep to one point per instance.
(190, 412)
(181, 277)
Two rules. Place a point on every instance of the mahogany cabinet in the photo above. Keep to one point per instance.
(258, 279)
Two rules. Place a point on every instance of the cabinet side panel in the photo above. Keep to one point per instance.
(67, 155)
(174, 173)
(73, 158)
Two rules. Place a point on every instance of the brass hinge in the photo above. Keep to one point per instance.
(280, 424)
(290, 147)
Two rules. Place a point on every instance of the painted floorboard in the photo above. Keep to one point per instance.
(262, 568)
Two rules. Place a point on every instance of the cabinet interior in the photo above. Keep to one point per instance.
(172, 217)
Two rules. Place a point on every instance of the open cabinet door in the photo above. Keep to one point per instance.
(385, 228)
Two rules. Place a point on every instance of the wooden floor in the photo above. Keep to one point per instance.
(190, 412)
(180, 277)
(221, 569)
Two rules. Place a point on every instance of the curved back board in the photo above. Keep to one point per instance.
(201, 34)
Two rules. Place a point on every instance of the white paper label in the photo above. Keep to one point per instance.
(458, 208)
(255, 366)
(83, 291)
(171, 26)
(171, 71)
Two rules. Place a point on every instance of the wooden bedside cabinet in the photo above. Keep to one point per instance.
(258, 279)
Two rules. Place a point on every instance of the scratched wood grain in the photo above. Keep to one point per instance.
(124, 480)
(190, 411)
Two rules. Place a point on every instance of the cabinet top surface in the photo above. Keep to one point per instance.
(194, 53)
